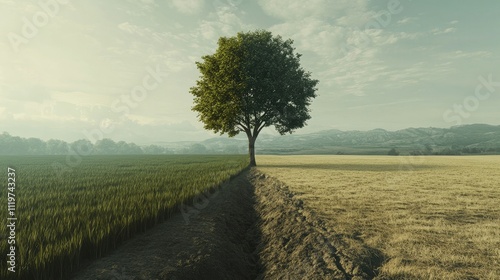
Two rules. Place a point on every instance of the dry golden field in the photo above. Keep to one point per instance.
(427, 217)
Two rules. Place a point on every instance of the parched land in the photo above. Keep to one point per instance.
(424, 217)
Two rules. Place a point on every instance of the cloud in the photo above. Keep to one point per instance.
(140, 7)
(344, 55)
(225, 21)
(384, 104)
(407, 20)
(437, 31)
(147, 2)
(395, 37)
(164, 39)
(314, 35)
(142, 31)
(44, 111)
(81, 98)
(140, 132)
(290, 9)
(127, 27)
(153, 47)
(3, 112)
(464, 54)
(453, 22)
(297, 9)
(189, 7)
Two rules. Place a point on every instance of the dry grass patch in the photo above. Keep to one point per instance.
(431, 217)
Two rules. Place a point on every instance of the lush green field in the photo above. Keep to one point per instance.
(64, 218)
(422, 217)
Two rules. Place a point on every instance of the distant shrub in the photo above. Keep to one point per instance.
(393, 152)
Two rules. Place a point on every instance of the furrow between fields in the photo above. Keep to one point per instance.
(214, 238)
(251, 228)
(295, 242)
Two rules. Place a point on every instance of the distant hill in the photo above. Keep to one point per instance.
(466, 139)
(459, 139)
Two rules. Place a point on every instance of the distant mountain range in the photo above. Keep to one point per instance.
(465, 139)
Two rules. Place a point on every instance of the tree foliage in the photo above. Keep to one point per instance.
(253, 80)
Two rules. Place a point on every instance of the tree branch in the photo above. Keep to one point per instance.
(242, 126)
(260, 128)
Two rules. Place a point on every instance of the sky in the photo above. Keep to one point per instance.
(122, 69)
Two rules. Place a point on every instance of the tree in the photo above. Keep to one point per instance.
(105, 146)
(57, 147)
(82, 147)
(11, 145)
(35, 146)
(133, 149)
(253, 80)
(196, 149)
(153, 150)
(393, 152)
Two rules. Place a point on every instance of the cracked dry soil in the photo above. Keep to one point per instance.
(251, 228)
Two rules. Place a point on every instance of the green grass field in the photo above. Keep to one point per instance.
(95, 205)
(426, 217)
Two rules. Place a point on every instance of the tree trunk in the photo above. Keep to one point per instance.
(251, 150)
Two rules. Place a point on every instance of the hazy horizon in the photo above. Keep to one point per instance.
(122, 69)
(240, 136)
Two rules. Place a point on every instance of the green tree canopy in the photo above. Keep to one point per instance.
(253, 80)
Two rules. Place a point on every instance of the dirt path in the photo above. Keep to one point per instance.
(252, 228)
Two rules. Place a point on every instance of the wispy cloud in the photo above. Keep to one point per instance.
(140, 7)
(189, 7)
(156, 47)
(80, 98)
(438, 31)
(347, 58)
(464, 54)
(95, 52)
(407, 20)
(344, 11)
(226, 20)
(384, 104)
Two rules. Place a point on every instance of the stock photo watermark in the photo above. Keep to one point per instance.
(484, 89)
(407, 165)
(11, 219)
(199, 202)
(47, 10)
(380, 20)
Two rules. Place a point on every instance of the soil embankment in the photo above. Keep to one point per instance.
(252, 228)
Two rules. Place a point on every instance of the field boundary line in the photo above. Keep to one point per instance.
(332, 244)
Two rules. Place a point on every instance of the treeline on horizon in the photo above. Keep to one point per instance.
(448, 151)
(15, 145)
